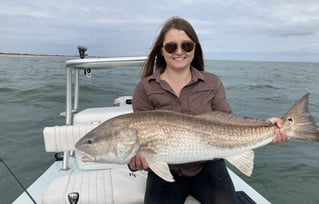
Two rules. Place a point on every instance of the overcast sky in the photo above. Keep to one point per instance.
(228, 29)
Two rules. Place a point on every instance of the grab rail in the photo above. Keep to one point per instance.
(88, 63)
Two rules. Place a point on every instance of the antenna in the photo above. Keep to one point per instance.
(17, 180)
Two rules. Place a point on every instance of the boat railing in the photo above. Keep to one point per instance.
(73, 68)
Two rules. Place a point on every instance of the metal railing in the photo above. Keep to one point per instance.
(73, 68)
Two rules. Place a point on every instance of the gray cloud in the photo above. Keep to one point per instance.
(129, 27)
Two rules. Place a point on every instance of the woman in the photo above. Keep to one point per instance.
(173, 78)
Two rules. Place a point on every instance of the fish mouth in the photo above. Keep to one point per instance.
(86, 157)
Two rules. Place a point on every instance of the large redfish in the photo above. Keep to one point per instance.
(164, 137)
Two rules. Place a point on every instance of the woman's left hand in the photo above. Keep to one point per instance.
(280, 135)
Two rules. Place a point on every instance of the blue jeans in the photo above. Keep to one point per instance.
(211, 185)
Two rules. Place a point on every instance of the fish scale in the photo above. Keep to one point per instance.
(208, 132)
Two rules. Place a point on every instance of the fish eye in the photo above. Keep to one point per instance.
(90, 141)
(290, 120)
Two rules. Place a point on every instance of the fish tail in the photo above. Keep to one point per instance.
(300, 122)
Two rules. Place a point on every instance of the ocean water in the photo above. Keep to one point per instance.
(32, 94)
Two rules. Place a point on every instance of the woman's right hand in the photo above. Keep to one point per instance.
(138, 163)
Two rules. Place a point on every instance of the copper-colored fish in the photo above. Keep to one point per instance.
(165, 137)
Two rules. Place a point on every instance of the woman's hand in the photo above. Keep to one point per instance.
(138, 163)
(280, 136)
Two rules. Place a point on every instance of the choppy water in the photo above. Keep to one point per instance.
(32, 94)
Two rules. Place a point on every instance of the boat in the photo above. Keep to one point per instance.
(68, 179)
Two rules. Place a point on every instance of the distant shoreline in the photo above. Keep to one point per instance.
(8, 54)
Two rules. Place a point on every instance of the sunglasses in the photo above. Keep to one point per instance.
(171, 47)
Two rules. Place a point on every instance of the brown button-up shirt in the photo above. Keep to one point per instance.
(204, 93)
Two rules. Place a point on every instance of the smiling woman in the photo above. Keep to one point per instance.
(178, 78)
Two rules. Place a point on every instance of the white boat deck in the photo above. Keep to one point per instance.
(122, 187)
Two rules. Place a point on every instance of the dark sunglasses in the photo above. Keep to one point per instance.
(172, 47)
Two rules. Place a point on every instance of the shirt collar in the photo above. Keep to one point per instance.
(196, 75)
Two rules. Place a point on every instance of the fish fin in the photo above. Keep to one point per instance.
(299, 119)
(161, 169)
(244, 162)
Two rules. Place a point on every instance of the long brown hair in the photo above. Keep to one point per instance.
(155, 57)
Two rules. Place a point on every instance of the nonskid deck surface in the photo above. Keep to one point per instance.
(115, 185)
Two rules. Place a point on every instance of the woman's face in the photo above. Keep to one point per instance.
(182, 56)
